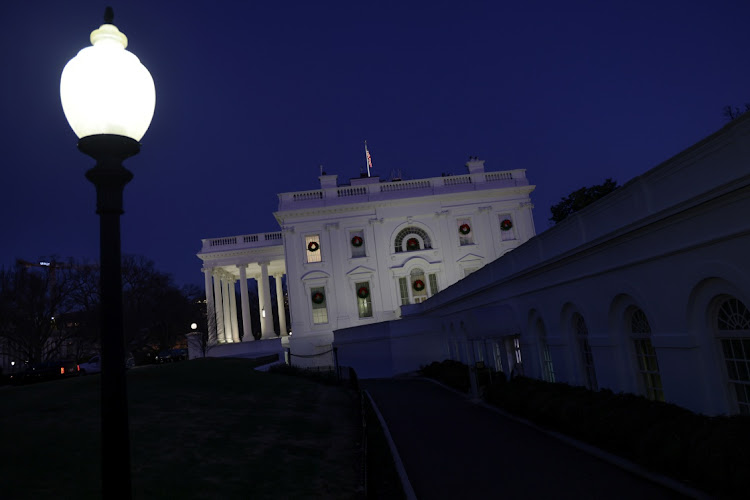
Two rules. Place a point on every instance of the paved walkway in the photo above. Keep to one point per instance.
(452, 448)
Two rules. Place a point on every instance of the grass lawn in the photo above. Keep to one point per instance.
(210, 428)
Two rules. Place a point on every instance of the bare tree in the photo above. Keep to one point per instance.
(32, 300)
(732, 112)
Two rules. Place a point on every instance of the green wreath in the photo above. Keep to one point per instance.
(506, 224)
(464, 229)
(363, 292)
(357, 241)
(418, 285)
(412, 244)
(318, 298)
(313, 246)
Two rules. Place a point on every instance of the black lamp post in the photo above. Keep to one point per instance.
(108, 98)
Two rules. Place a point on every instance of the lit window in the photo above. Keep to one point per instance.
(319, 308)
(507, 229)
(418, 285)
(733, 330)
(433, 284)
(465, 232)
(357, 243)
(312, 248)
(648, 365)
(584, 350)
(364, 299)
(517, 359)
(404, 289)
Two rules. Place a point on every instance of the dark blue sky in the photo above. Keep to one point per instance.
(252, 97)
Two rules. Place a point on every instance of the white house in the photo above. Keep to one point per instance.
(355, 254)
(645, 291)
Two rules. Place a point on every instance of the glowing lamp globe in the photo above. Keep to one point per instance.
(106, 90)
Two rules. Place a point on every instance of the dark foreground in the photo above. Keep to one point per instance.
(452, 448)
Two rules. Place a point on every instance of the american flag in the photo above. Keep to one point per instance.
(369, 159)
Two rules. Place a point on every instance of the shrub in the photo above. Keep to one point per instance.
(711, 453)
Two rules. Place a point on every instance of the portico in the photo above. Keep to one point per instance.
(227, 261)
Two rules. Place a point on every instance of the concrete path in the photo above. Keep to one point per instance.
(452, 448)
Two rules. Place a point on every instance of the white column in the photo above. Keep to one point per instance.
(210, 308)
(280, 304)
(227, 310)
(233, 309)
(218, 305)
(247, 330)
(264, 296)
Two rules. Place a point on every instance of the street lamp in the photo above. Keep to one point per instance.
(108, 98)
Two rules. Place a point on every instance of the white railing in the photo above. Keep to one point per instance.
(308, 195)
(243, 241)
(404, 185)
(388, 190)
(352, 191)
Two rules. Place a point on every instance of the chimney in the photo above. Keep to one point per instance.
(328, 181)
(475, 165)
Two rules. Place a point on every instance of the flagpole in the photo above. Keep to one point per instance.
(368, 161)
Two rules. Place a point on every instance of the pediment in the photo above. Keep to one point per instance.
(470, 257)
(315, 274)
(360, 270)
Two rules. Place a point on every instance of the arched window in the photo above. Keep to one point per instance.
(411, 239)
(733, 332)
(581, 332)
(648, 365)
(548, 371)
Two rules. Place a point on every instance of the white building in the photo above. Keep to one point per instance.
(645, 291)
(357, 253)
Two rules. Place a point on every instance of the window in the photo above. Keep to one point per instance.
(581, 332)
(364, 299)
(357, 243)
(418, 285)
(465, 232)
(433, 284)
(497, 351)
(513, 345)
(319, 308)
(548, 372)
(648, 365)
(312, 248)
(733, 331)
(404, 289)
(507, 230)
(411, 239)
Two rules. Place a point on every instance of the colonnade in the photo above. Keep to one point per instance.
(222, 304)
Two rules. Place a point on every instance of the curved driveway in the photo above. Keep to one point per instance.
(452, 448)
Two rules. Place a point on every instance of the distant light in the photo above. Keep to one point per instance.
(193, 326)
(263, 312)
(12, 363)
(62, 371)
(44, 263)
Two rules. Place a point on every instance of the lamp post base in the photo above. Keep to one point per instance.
(110, 178)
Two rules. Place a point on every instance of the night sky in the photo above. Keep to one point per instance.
(252, 97)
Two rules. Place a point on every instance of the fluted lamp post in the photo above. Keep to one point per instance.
(108, 98)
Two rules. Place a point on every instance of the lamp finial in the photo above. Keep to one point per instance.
(109, 15)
